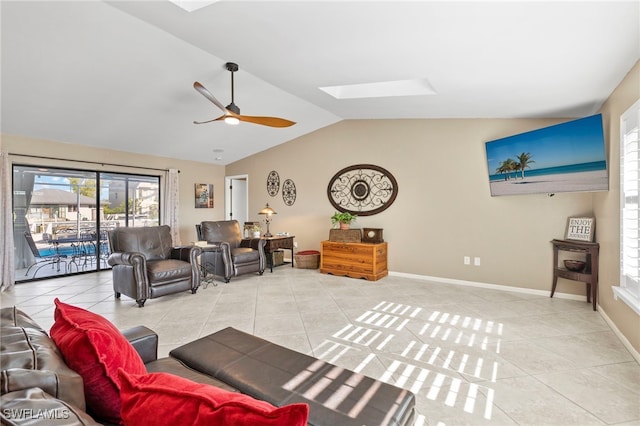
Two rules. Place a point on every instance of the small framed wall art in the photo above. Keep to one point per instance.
(204, 195)
(580, 229)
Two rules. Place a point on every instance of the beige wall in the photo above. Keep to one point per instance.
(443, 211)
(607, 208)
(190, 172)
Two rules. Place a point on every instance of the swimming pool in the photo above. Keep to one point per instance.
(69, 250)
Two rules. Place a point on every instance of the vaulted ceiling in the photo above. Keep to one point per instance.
(120, 74)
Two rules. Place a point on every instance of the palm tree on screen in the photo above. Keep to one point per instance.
(507, 167)
(525, 160)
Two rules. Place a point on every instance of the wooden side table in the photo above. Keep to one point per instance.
(274, 243)
(590, 273)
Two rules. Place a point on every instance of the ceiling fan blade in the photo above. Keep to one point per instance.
(207, 94)
(265, 121)
(232, 110)
(222, 117)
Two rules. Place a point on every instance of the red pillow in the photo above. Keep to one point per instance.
(165, 399)
(95, 349)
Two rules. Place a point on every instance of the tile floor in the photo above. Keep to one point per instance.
(472, 356)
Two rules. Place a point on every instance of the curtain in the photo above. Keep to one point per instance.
(171, 208)
(7, 268)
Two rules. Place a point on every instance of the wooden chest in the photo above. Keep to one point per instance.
(355, 260)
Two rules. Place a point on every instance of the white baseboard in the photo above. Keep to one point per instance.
(488, 286)
(602, 313)
(621, 336)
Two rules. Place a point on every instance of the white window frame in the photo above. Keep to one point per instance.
(629, 289)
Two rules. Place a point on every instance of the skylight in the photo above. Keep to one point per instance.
(383, 89)
(191, 5)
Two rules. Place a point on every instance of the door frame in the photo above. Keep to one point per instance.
(227, 195)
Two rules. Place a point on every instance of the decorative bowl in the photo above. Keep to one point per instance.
(574, 265)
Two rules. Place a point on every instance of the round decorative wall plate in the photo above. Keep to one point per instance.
(273, 183)
(289, 192)
(362, 189)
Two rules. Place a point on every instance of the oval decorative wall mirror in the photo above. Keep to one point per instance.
(362, 189)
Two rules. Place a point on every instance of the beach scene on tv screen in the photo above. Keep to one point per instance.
(567, 157)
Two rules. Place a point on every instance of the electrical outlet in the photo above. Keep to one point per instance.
(295, 244)
(467, 260)
(476, 261)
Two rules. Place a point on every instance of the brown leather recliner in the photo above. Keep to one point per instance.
(235, 255)
(146, 265)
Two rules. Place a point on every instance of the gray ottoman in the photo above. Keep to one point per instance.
(273, 373)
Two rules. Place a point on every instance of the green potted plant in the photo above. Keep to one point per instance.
(255, 231)
(343, 218)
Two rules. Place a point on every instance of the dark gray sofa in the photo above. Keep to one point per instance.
(34, 377)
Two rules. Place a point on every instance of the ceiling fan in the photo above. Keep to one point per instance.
(232, 112)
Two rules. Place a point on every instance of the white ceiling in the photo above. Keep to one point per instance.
(120, 74)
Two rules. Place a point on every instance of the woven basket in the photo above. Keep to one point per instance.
(345, 235)
(278, 257)
(308, 259)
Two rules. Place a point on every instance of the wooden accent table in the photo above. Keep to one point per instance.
(355, 260)
(274, 243)
(590, 273)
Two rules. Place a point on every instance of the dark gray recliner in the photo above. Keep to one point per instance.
(235, 255)
(146, 265)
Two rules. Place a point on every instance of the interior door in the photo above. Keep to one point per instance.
(237, 199)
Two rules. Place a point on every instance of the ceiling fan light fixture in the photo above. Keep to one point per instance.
(231, 120)
(233, 108)
(232, 112)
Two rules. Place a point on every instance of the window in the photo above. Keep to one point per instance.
(133, 200)
(629, 289)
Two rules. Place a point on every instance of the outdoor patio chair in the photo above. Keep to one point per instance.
(42, 261)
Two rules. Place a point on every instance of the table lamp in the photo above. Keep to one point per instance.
(267, 211)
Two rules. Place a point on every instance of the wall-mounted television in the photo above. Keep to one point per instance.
(566, 157)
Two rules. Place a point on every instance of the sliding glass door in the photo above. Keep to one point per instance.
(61, 217)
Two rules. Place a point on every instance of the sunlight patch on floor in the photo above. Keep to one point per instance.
(448, 349)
